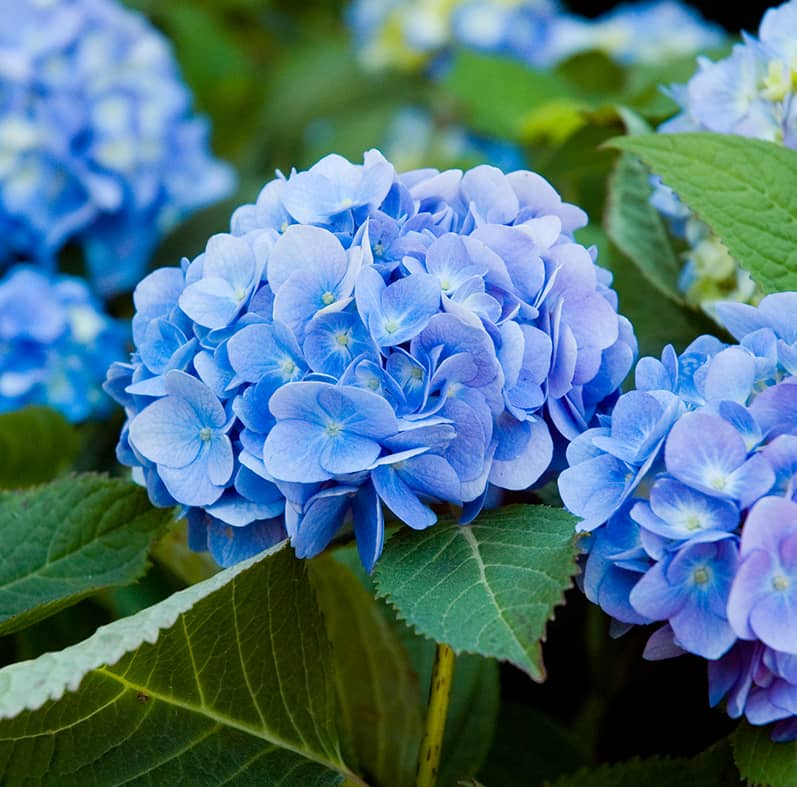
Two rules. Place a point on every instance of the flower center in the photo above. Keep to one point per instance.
(373, 383)
(333, 429)
(693, 522)
(701, 575)
(288, 367)
(205, 434)
(416, 373)
(780, 582)
(391, 326)
(719, 482)
(342, 339)
(328, 298)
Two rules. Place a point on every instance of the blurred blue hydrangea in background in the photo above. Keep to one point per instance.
(537, 32)
(688, 490)
(413, 139)
(363, 338)
(98, 143)
(55, 344)
(751, 93)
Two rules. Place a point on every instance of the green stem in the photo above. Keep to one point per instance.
(439, 694)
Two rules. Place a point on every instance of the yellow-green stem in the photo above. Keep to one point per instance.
(439, 694)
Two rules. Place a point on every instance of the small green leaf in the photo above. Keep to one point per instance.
(742, 188)
(761, 761)
(36, 444)
(636, 227)
(528, 742)
(69, 539)
(712, 768)
(377, 686)
(488, 588)
(228, 681)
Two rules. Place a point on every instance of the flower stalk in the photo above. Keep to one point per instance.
(436, 713)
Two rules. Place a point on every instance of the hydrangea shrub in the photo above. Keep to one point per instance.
(57, 344)
(687, 490)
(363, 340)
(749, 93)
(98, 142)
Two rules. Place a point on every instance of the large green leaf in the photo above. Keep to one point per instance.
(69, 539)
(377, 686)
(742, 188)
(229, 681)
(636, 227)
(763, 762)
(487, 588)
(36, 444)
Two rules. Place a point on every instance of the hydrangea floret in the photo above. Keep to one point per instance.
(98, 143)
(364, 341)
(56, 344)
(750, 93)
(688, 490)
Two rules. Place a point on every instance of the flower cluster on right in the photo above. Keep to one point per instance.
(752, 93)
(688, 491)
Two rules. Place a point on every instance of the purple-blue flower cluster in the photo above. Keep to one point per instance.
(364, 339)
(688, 489)
(98, 144)
(55, 344)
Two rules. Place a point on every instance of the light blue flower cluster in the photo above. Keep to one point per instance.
(536, 32)
(688, 490)
(55, 344)
(97, 141)
(363, 338)
(752, 93)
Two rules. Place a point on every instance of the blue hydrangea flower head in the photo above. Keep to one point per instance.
(751, 93)
(55, 344)
(98, 144)
(688, 490)
(365, 343)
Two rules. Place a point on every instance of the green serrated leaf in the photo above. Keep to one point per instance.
(36, 444)
(636, 227)
(742, 188)
(713, 768)
(488, 588)
(229, 681)
(761, 761)
(69, 539)
(377, 686)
